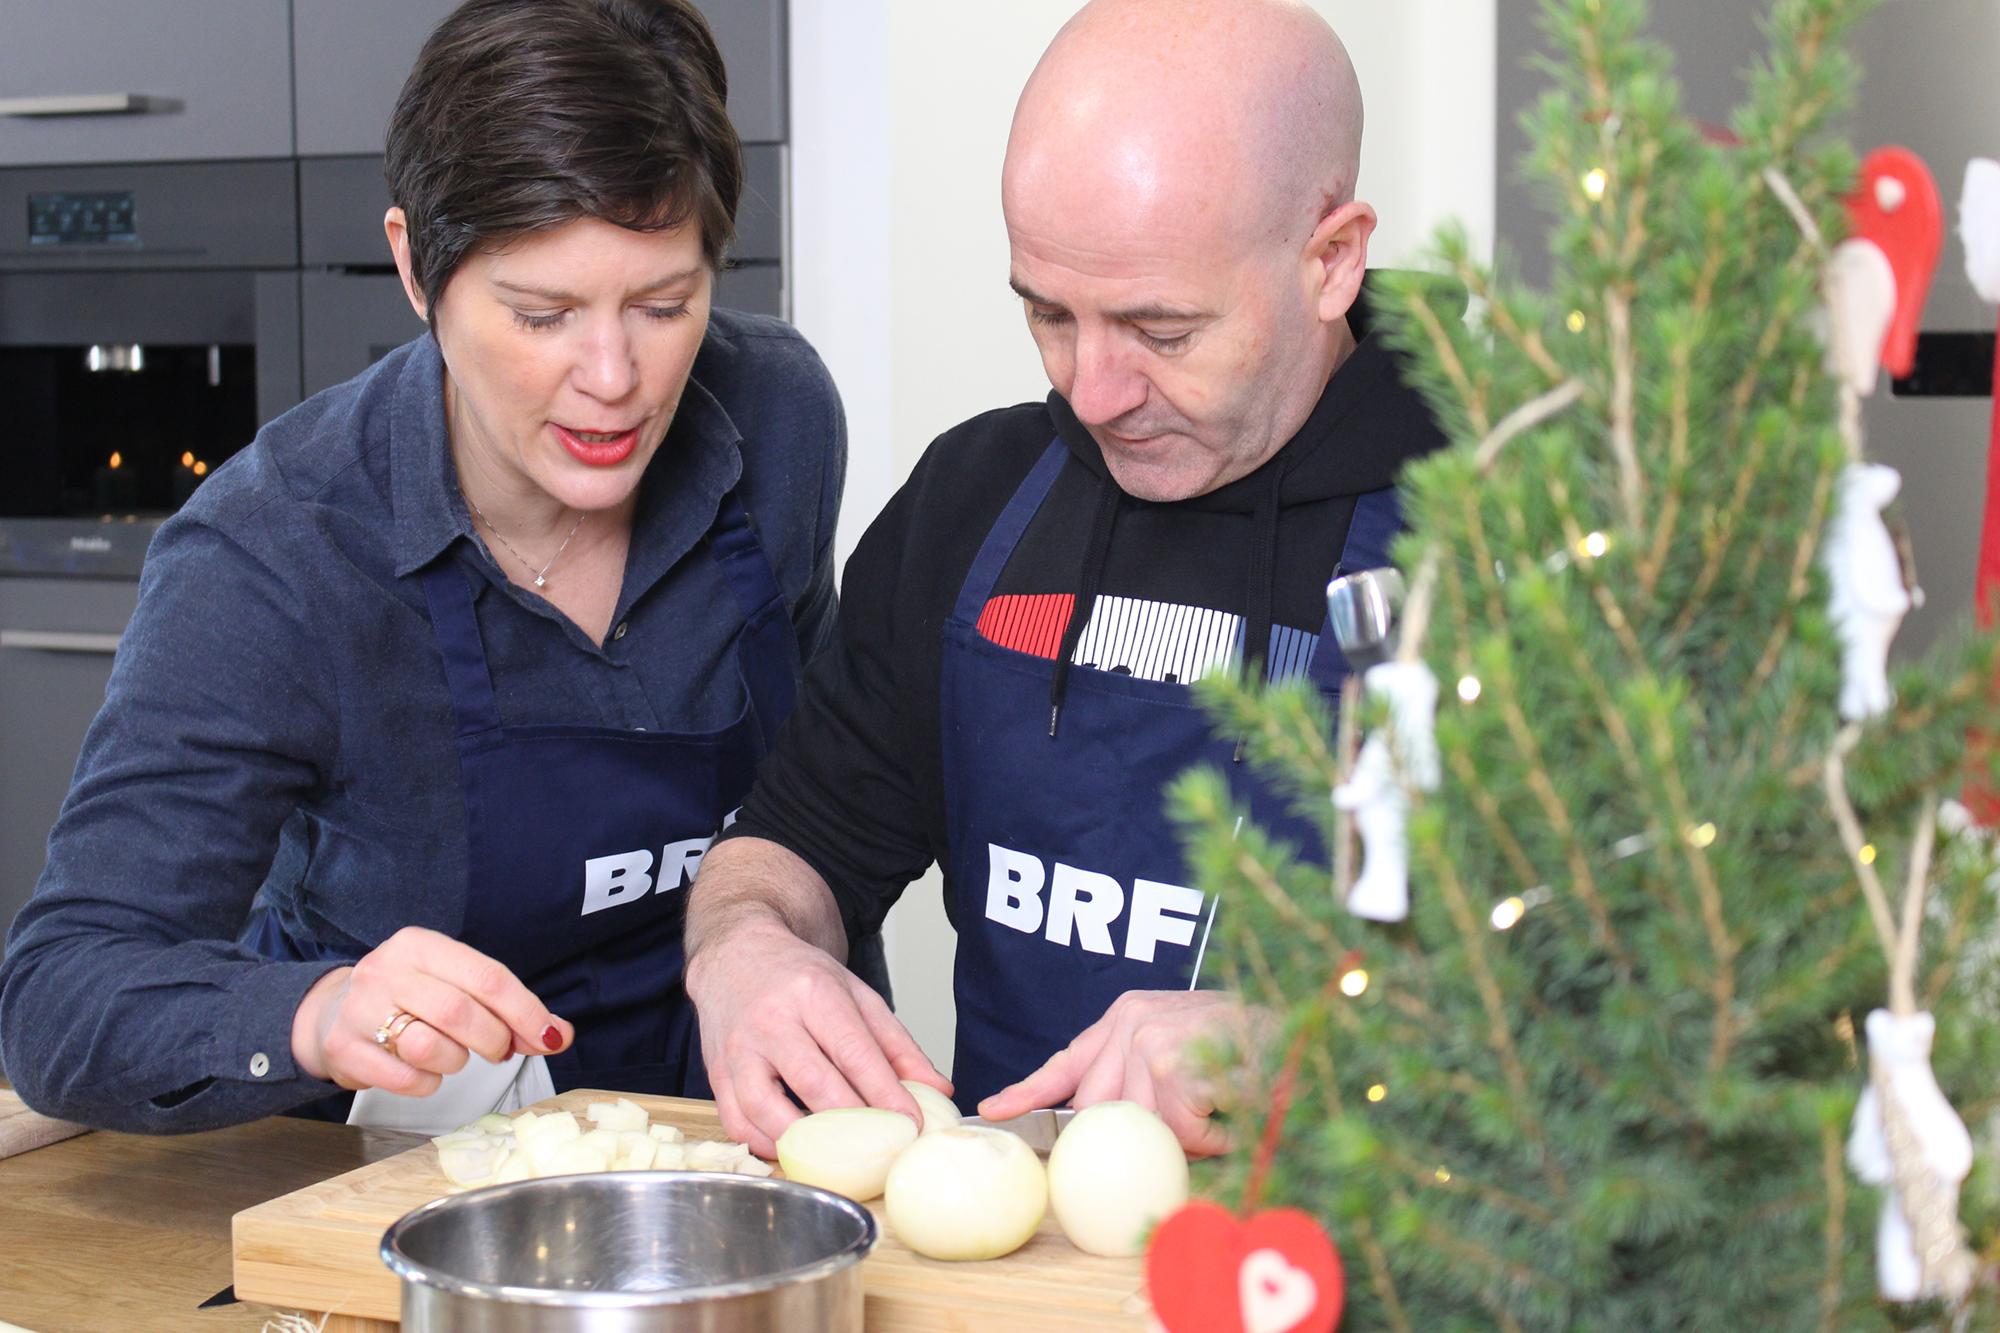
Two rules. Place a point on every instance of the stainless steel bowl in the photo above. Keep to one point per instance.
(633, 1252)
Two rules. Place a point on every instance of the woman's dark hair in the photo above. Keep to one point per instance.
(527, 114)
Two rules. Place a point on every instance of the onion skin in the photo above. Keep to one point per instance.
(963, 1193)
(848, 1150)
(1114, 1173)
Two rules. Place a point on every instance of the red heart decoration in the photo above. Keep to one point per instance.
(1276, 1273)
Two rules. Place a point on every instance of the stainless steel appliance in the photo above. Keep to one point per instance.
(638, 1252)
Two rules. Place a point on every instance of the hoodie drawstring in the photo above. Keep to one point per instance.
(1095, 553)
(1263, 575)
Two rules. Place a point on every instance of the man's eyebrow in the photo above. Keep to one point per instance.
(1150, 314)
(552, 294)
(1028, 294)
(1144, 314)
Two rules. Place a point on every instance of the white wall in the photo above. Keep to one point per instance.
(899, 121)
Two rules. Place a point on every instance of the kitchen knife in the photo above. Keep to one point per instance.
(1037, 1128)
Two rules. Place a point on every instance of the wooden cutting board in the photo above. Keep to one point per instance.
(315, 1250)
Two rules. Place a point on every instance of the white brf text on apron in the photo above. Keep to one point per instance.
(613, 881)
(1083, 905)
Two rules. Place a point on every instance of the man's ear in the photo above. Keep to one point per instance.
(398, 228)
(1336, 258)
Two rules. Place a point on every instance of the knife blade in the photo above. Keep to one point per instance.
(1038, 1129)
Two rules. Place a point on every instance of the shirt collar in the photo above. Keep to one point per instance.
(698, 463)
(430, 515)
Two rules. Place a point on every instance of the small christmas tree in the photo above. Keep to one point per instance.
(1603, 1076)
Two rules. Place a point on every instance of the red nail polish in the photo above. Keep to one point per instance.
(553, 1039)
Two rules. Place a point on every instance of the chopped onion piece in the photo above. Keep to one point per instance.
(619, 1116)
(574, 1158)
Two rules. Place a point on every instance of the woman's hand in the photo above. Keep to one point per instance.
(461, 1000)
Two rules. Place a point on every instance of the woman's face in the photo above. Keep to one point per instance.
(566, 352)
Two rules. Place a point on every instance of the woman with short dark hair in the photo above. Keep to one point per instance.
(437, 692)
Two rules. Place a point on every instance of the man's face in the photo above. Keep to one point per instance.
(1190, 354)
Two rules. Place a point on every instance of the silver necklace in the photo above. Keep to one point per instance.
(542, 574)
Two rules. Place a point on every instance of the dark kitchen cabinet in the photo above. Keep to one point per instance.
(216, 75)
(56, 642)
(353, 55)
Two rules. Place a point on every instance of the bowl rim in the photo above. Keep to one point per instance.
(413, 1272)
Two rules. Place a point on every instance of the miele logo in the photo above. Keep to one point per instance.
(613, 881)
(89, 543)
(1083, 905)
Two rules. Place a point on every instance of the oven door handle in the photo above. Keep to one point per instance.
(58, 641)
(90, 104)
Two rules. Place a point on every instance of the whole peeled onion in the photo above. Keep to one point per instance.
(1113, 1174)
(964, 1192)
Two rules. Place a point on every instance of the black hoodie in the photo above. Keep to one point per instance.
(855, 785)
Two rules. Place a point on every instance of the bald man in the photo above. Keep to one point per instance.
(1008, 695)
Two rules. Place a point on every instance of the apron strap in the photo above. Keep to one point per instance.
(768, 649)
(1373, 528)
(1006, 534)
(457, 629)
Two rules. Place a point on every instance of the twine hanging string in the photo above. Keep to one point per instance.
(1942, 1249)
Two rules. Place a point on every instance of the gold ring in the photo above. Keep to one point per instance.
(385, 1036)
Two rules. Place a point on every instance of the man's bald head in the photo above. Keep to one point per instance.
(1179, 192)
(1245, 113)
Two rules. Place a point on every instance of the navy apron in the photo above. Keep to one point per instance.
(1067, 874)
(582, 840)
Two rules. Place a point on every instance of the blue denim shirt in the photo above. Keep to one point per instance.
(277, 729)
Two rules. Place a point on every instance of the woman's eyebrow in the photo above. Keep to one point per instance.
(552, 294)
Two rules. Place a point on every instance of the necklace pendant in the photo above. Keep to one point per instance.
(541, 582)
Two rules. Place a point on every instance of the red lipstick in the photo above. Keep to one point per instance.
(598, 453)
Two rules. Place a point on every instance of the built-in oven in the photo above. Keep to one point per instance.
(148, 324)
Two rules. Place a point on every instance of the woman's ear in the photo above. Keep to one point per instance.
(398, 228)
(1336, 258)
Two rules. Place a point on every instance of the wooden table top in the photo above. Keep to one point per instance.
(122, 1233)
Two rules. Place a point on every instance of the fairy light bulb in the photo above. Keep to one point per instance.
(1594, 182)
(1594, 545)
(1701, 835)
(1866, 855)
(118, 460)
(1377, 1092)
(1576, 321)
(1354, 982)
(1507, 912)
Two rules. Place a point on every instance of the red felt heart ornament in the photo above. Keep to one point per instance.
(1276, 1273)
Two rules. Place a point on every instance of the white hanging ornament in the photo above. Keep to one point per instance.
(1868, 598)
(1919, 1248)
(1412, 692)
(1861, 301)
(1979, 226)
(1381, 810)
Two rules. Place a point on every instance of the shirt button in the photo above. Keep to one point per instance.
(260, 1065)
(619, 633)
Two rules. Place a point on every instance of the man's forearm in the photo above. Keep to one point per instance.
(747, 882)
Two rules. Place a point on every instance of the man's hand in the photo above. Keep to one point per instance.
(1140, 1051)
(460, 999)
(778, 1010)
